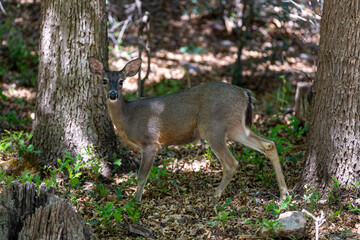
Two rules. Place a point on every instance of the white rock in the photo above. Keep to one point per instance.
(293, 225)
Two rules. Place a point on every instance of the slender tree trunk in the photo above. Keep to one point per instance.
(70, 107)
(334, 133)
(247, 14)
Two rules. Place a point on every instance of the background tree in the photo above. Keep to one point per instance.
(334, 136)
(70, 108)
(246, 19)
(192, 42)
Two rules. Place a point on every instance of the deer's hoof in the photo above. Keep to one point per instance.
(284, 194)
(138, 197)
(217, 195)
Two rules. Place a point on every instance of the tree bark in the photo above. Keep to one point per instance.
(70, 107)
(16, 203)
(334, 136)
(27, 215)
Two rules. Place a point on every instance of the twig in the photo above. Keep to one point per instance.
(179, 169)
(138, 6)
(318, 221)
(295, 4)
(2, 8)
(144, 24)
(128, 19)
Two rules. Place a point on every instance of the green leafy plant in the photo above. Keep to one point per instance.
(254, 157)
(209, 156)
(17, 142)
(334, 193)
(37, 180)
(132, 211)
(295, 238)
(19, 55)
(258, 160)
(117, 163)
(275, 209)
(223, 213)
(353, 208)
(285, 93)
(3, 96)
(107, 213)
(99, 191)
(119, 193)
(73, 167)
(2, 174)
(335, 214)
(12, 119)
(94, 169)
(311, 196)
(293, 158)
(271, 225)
(282, 144)
(166, 86)
(297, 130)
(7, 179)
(157, 173)
(356, 184)
(192, 49)
(26, 177)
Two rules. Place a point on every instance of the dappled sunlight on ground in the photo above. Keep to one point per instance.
(189, 49)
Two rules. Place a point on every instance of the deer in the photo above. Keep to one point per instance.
(215, 111)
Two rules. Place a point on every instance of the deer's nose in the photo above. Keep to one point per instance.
(113, 95)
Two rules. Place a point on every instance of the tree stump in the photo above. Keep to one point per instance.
(302, 101)
(26, 215)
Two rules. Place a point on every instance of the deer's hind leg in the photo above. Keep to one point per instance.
(268, 148)
(217, 142)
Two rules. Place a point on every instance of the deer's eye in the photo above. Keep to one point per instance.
(120, 81)
(105, 81)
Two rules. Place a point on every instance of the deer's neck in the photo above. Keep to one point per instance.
(117, 112)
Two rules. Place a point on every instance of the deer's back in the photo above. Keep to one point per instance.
(173, 119)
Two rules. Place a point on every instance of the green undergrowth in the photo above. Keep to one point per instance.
(19, 58)
(107, 206)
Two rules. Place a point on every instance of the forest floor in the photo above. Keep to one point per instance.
(190, 49)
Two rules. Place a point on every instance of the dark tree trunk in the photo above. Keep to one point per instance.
(334, 132)
(242, 34)
(26, 215)
(70, 108)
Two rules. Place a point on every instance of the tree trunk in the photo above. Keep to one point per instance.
(27, 215)
(70, 107)
(334, 136)
(242, 33)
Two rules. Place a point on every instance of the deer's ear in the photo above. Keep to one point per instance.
(96, 66)
(132, 67)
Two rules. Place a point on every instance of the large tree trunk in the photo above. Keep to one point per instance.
(70, 108)
(334, 132)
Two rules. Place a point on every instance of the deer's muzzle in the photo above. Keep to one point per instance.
(113, 95)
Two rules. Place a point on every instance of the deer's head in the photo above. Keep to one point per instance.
(113, 80)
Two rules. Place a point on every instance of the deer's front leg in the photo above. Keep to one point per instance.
(147, 160)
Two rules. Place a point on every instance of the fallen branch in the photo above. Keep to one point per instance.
(318, 221)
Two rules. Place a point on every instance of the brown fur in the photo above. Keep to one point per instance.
(214, 111)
